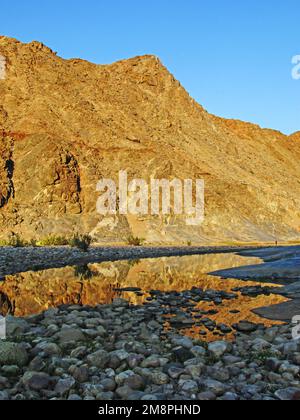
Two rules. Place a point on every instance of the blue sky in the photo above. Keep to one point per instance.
(234, 57)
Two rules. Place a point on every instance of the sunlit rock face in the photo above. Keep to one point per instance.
(31, 293)
(65, 124)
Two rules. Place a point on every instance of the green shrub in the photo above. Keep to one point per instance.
(135, 241)
(53, 240)
(15, 241)
(82, 242)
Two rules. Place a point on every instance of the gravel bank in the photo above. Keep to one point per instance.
(123, 352)
(17, 260)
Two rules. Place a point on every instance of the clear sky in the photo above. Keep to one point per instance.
(234, 57)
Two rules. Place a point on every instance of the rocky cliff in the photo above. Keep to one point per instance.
(65, 124)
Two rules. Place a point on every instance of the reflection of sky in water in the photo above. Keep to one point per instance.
(30, 293)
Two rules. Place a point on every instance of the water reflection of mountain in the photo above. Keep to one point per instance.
(33, 292)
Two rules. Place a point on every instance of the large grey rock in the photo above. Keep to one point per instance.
(70, 335)
(12, 354)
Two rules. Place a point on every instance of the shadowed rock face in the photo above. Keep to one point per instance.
(6, 170)
(67, 123)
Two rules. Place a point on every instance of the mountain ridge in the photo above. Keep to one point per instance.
(65, 124)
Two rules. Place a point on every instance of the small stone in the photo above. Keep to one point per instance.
(36, 380)
(50, 349)
(37, 364)
(219, 374)
(123, 392)
(150, 397)
(79, 352)
(74, 397)
(109, 385)
(260, 345)
(136, 396)
(174, 372)
(4, 396)
(123, 376)
(64, 386)
(286, 394)
(207, 396)
(246, 327)
(4, 383)
(194, 371)
(230, 396)
(296, 396)
(198, 351)
(290, 348)
(151, 362)
(98, 359)
(10, 371)
(105, 396)
(215, 386)
(273, 364)
(120, 354)
(159, 378)
(190, 387)
(134, 360)
(135, 382)
(218, 348)
(81, 374)
(70, 335)
(183, 342)
(182, 354)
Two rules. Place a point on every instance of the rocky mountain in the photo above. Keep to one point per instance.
(65, 124)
